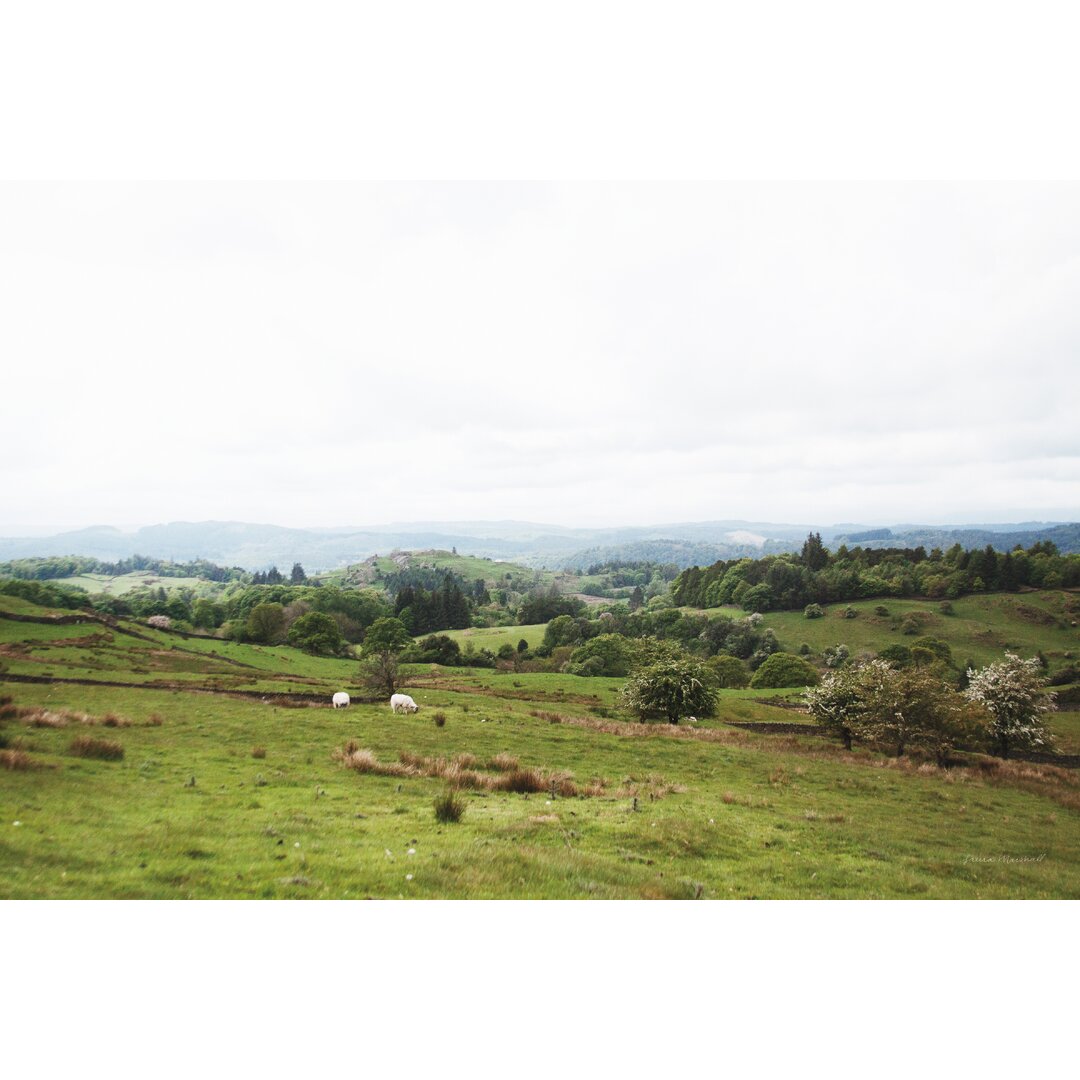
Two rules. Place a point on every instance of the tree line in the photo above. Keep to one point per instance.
(62, 566)
(818, 576)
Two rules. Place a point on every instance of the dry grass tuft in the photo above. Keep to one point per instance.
(728, 797)
(155, 720)
(16, 760)
(459, 774)
(258, 751)
(503, 762)
(520, 781)
(102, 749)
(47, 719)
(112, 720)
(440, 719)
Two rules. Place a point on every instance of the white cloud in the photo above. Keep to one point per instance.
(584, 354)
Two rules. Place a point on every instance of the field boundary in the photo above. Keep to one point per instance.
(261, 695)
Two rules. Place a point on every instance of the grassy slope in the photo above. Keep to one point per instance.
(124, 583)
(494, 636)
(982, 628)
(760, 815)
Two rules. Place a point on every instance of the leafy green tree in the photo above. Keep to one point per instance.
(613, 653)
(266, 624)
(784, 670)
(316, 633)
(729, 672)
(204, 614)
(384, 641)
(756, 598)
(562, 630)
(434, 649)
(671, 689)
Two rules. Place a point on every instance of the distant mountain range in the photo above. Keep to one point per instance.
(257, 547)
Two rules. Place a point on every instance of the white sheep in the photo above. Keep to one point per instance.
(341, 700)
(403, 703)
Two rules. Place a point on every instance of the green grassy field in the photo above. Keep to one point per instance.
(491, 637)
(125, 583)
(224, 795)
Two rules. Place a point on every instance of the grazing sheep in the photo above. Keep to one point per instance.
(403, 703)
(341, 700)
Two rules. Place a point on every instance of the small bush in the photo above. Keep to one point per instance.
(102, 749)
(440, 719)
(946, 608)
(258, 751)
(848, 613)
(881, 610)
(909, 626)
(813, 611)
(449, 808)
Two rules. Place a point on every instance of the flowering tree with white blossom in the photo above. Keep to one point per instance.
(1012, 692)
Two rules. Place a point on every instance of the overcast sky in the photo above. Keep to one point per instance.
(582, 354)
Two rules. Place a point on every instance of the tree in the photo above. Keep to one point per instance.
(297, 575)
(637, 598)
(1012, 692)
(204, 614)
(671, 689)
(784, 670)
(815, 555)
(837, 704)
(266, 624)
(902, 707)
(384, 640)
(914, 707)
(613, 655)
(316, 633)
(729, 672)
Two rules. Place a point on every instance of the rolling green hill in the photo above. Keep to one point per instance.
(235, 781)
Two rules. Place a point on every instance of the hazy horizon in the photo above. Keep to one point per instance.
(429, 524)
